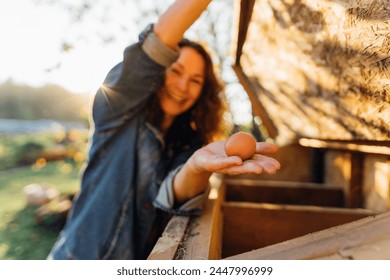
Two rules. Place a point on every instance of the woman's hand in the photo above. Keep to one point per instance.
(192, 179)
(212, 158)
(177, 19)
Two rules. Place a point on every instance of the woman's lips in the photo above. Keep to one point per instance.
(177, 98)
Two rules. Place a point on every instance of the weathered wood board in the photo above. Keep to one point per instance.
(166, 246)
(364, 239)
(284, 192)
(233, 229)
(267, 224)
(196, 238)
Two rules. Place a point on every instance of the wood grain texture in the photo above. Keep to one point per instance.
(284, 192)
(320, 69)
(167, 244)
(249, 226)
(367, 238)
(202, 240)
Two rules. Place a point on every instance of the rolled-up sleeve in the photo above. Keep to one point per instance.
(158, 51)
(165, 199)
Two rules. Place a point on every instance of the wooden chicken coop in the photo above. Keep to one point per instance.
(317, 75)
(244, 228)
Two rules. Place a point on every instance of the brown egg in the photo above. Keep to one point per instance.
(240, 144)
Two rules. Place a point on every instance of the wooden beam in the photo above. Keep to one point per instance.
(370, 147)
(354, 192)
(245, 15)
(203, 237)
(167, 244)
(249, 226)
(246, 9)
(233, 180)
(284, 192)
(257, 107)
(193, 238)
(367, 238)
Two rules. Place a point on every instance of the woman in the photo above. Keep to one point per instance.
(150, 155)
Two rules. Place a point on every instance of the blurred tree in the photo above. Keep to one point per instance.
(48, 102)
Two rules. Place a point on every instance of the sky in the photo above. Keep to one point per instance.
(31, 44)
(31, 50)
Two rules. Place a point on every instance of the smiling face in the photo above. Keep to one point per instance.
(183, 83)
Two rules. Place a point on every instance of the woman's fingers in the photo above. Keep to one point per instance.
(212, 158)
(211, 162)
(269, 164)
(248, 167)
(266, 148)
(257, 165)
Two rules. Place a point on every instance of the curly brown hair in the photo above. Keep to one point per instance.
(205, 117)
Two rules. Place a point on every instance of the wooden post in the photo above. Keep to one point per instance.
(354, 192)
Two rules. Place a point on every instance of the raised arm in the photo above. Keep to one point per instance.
(172, 25)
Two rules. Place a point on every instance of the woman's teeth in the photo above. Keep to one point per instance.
(177, 98)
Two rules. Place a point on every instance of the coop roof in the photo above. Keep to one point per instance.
(317, 70)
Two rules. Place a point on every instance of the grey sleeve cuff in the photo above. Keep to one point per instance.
(165, 199)
(158, 51)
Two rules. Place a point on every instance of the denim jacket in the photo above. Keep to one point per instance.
(126, 195)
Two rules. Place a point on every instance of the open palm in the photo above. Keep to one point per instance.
(212, 158)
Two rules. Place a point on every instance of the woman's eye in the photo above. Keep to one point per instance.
(175, 71)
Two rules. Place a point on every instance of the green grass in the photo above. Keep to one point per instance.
(11, 146)
(16, 147)
(20, 237)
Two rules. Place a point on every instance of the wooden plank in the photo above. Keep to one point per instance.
(246, 8)
(280, 192)
(215, 252)
(167, 244)
(249, 226)
(367, 238)
(270, 183)
(194, 237)
(354, 194)
(370, 147)
(203, 237)
(257, 107)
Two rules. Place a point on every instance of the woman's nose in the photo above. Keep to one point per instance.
(183, 84)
